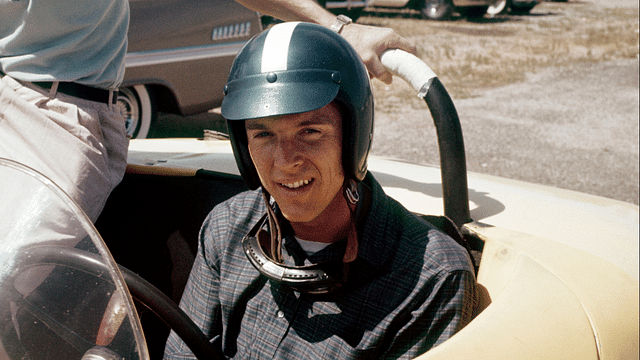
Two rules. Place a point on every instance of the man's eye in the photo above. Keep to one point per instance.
(261, 135)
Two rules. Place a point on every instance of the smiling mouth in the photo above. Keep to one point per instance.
(297, 184)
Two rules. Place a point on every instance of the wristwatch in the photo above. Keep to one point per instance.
(340, 22)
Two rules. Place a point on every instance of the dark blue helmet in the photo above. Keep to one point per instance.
(294, 68)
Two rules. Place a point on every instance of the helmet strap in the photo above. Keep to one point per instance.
(272, 239)
(352, 196)
(312, 279)
(275, 238)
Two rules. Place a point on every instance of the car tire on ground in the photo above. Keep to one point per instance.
(436, 9)
(138, 109)
(473, 12)
(498, 7)
(521, 10)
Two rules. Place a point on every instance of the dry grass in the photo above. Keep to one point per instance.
(470, 56)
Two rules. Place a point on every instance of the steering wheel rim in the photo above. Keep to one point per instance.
(140, 289)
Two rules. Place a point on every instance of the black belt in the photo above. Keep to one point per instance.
(80, 91)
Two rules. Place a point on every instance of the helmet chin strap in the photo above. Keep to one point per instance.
(353, 197)
(272, 240)
(274, 236)
(319, 278)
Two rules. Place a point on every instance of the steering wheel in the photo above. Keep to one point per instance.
(140, 290)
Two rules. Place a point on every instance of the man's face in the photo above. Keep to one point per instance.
(299, 160)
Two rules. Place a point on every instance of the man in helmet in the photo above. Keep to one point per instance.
(60, 68)
(369, 41)
(316, 262)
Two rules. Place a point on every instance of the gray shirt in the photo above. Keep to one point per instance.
(64, 40)
(410, 289)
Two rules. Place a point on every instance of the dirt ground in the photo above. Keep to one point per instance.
(573, 126)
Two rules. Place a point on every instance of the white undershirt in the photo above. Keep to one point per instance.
(311, 247)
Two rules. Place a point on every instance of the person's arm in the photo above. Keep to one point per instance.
(369, 41)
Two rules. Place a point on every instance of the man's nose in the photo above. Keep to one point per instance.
(287, 154)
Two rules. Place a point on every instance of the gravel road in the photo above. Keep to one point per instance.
(574, 128)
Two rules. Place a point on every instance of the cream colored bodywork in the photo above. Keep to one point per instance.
(560, 268)
(547, 301)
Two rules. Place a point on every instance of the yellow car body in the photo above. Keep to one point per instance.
(558, 271)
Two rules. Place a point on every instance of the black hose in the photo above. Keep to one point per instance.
(453, 167)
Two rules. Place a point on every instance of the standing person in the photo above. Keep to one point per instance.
(317, 262)
(60, 67)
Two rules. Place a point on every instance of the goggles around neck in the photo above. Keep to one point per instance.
(309, 279)
(321, 278)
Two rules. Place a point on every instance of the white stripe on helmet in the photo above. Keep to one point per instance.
(276, 47)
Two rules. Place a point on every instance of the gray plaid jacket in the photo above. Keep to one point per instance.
(411, 288)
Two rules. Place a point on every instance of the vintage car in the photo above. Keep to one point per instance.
(521, 6)
(516, 7)
(557, 270)
(181, 66)
(351, 8)
(438, 9)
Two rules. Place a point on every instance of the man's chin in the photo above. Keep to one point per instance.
(297, 216)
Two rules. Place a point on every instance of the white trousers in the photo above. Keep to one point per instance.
(78, 144)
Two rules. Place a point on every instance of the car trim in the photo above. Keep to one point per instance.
(156, 57)
(232, 31)
(345, 4)
(464, 3)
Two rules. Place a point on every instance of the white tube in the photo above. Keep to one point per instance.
(410, 68)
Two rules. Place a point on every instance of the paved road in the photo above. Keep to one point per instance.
(574, 128)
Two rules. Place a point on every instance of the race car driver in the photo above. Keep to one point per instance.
(316, 262)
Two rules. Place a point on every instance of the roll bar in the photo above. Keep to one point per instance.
(453, 167)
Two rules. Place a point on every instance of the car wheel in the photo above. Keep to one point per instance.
(498, 7)
(437, 9)
(474, 12)
(138, 110)
(521, 10)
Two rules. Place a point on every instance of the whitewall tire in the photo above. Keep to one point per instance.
(138, 110)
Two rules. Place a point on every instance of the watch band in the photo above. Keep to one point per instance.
(341, 21)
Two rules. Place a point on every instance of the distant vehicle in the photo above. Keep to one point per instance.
(438, 9)
(521, 6)
(351, 8)
(516, 7)
(179, 57)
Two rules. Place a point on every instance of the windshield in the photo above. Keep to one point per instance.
(61, 296)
